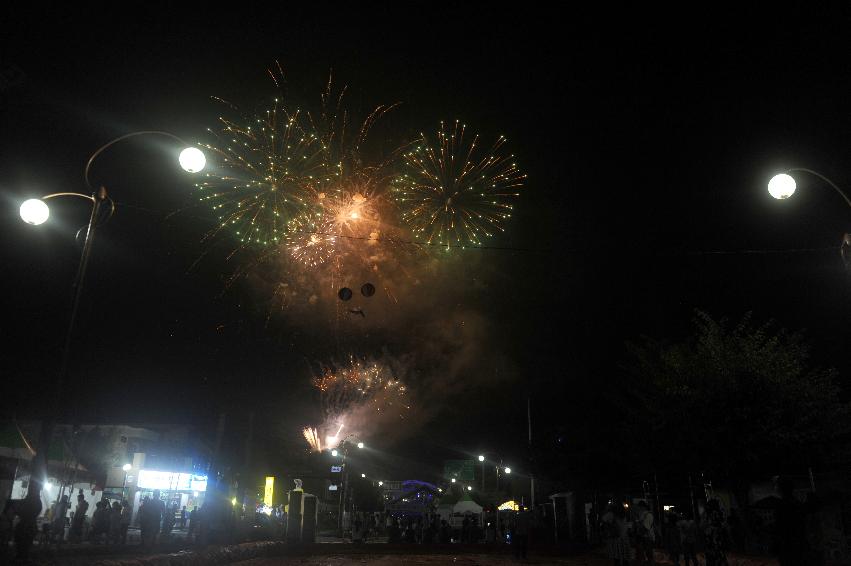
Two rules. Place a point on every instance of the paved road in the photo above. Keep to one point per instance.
(417, 559)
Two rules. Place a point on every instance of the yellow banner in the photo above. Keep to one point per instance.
(269, 492)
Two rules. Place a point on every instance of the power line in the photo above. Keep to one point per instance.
(562, 251)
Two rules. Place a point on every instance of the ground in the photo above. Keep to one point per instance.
(413, 560)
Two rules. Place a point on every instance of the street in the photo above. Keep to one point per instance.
(381, 560)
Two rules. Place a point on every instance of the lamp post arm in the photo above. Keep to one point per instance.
(81, 195)
(118, 139)
(100, 194)
(826, 180)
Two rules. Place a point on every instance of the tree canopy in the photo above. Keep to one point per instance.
(734, 400)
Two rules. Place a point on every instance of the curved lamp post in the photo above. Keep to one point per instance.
(36, 212)
(783, 185)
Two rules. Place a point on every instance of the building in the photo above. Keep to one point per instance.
(112, 461)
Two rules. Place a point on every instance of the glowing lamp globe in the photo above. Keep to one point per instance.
(334, 453)
(126, 467)
(34, 211)
(360, 444)
(192, 159)
(507, 470)
(481, 458)
(781, 186)
(469, 488)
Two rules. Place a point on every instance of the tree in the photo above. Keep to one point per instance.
(736, 401)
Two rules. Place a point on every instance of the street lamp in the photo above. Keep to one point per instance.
(36, 212)
(507, 470)
(360, 444)
(782, 186)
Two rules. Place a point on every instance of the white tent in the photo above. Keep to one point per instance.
(466, 505)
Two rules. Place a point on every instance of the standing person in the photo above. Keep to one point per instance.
(156, 515)
(146, 522)
(791, 525)
(520, 534)
(193, 520)
(115, 523)
(57, 530)
(715, 535)
(76, 532)
(616, 531)
(100, 522)
(183, 517)
(688, 539)
(7, 518)
(671, 538)
(169, 520)
(126, 517)
(645, 534)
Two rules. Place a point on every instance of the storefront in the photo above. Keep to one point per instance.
(177, 489)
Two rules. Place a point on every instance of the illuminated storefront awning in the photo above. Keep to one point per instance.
(171, 481)
(509, 506)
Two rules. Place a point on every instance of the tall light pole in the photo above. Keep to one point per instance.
(344, 477)
(35, 212)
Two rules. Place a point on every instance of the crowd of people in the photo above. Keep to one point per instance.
(636, 537)
(432, 529)
(107, 524)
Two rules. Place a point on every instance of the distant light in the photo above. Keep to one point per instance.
(334, 453)
(34, 211)
(363, 475)
(127, 467)
(360, 444)
(507, 470)
(48, 485)
(469, 488)
(781, 186)
(667, 507)
(192, 159)
(380, 483)
(440, 489)
(453, 480)
(481, 458)
(233, 501)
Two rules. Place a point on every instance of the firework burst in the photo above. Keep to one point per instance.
(268, 166)
(451, 193)
(357, 389)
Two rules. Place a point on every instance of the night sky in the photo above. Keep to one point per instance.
(648, 142)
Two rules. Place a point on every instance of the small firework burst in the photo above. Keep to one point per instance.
(359, 385)
(453, 194)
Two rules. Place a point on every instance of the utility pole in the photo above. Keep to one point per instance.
(531, 456)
